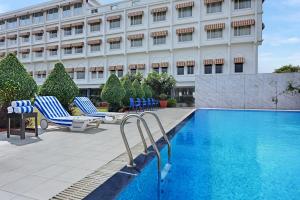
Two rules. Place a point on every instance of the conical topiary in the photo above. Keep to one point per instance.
(147, 90)
(60, 85)
(15, 84)
(129, 91)
(138, 89)
(113, 92)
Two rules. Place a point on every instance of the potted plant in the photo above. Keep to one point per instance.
(104, 107)
(163, 100)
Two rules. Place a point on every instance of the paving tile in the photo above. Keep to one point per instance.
(9, 177)
(6, 195)
(52, 171)
(19, 197)
(73, 175)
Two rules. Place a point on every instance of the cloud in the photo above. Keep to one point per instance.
(4, 8)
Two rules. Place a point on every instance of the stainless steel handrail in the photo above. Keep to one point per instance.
(161, 129)
(122, 127)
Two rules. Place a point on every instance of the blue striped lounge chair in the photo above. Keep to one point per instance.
(53, 112)
(87, 108)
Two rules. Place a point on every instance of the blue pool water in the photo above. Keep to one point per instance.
(222, 155)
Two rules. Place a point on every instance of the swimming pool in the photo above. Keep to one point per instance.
(222, 154)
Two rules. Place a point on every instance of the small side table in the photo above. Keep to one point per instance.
(22, 117)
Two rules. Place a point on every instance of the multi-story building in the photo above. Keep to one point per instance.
(181, 37)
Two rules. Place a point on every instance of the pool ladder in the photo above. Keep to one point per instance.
(139, 120)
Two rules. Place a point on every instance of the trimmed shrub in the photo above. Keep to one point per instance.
(15, 84)
(163, 96)
(129, 91)
(160, 83)
(172, 103)
(138, 89)
(60, 85)
(147, 90)
(113, 92)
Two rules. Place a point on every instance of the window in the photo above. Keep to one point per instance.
(214, 34)
(115, 45)
(25, 38)
(78, 49)
(67, 31)
(52, 34)
(132, 71)
(12, 23)
(38, 36)
(159, 16)
(95, 27)
(120, 73)
(242, 31)
(12, 41)
(180, 70)
(242, 4)
(158, 40)
(136, 43)
(190, 69)
(136, 20)
(164, 70)
(185, 12)
(25, 55)
(38, 54)
(238, 67)
(38, 18)
(81, 75)
(2, 25)
(116, 23)
(95, 47)
(71, 74)
(156, 70)
(2, 42)
(41, 75)
(77, 8)
(25, 20)
(185, 37)
(207, 69)
(219, 69)
(94, 11)
(52, 14)
(66, 11)
(94, 75)
(214, 7)
(68, 50)
(78, 30)
(53, 52)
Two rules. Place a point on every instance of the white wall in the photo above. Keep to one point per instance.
(246, 91)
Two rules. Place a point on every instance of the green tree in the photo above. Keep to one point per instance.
(160, 83)
(15, 84)
(138, 89)
(147, 90)
(129, 91)
(288, 69)
(113, 92)
(133, 77)
(60, 85)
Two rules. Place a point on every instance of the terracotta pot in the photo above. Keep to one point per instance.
(163, 103)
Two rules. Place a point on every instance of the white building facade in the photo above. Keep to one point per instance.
(180, 37)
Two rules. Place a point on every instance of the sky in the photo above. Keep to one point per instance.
(281, 36)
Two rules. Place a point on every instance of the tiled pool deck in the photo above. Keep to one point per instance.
(40, 168)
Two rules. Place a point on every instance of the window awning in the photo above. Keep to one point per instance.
(137, 13)
(50, 29)
(91, 42)
(79, 69)
(214, 26)
(11, 36)
(24, 51)
(239, 60)
(78, 24)
(38, 49)
(119, 67)
(136, 36)
(190, 63)
(219, 61)
(159, 33)
(63, 46)
(96, 69)
(239, 23)
(78, 44)
(112, 68)
(164, 64)
(37, 32)
(155, 65)
(184, 5)
(208, 62)
(185, 30)
(64, 26)
(114, 17)
(132, 66)
(141, 66)
(24, 34)
(54, 47)
(212, 1)
(94, 21)
(69, 70)
(115, 39)
(158, 10)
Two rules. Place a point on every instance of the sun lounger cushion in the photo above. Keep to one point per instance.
(20, 103)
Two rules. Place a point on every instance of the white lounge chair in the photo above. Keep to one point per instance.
(53, 112)
(87, 108)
